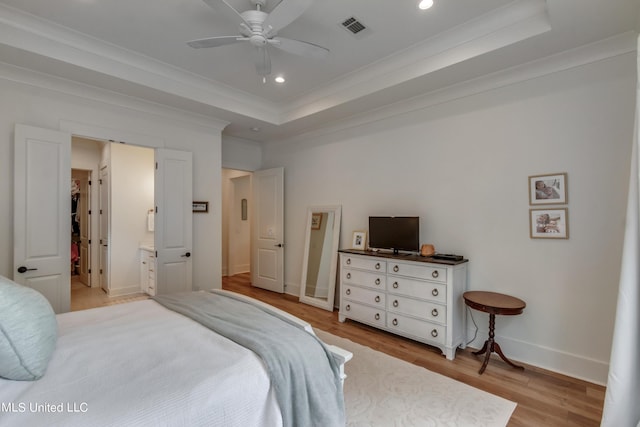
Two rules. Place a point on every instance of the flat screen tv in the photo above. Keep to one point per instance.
(398, 233)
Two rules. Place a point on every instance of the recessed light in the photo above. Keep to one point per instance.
(255, 129)
(279, 79)
(425, 4)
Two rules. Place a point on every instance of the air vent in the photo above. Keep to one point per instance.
(353, 25)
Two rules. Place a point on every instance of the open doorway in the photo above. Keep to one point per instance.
(120, 195)
(236, 222)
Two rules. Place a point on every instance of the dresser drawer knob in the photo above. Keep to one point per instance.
(395, 285)
(348, 307)
(434, 333)
(435, 274)
(395, 322)
(348, 261)
(377, 298)
(377, 281)
(377, 316)
(435, 292)
(348, 275)
(396, 268)
(348, 291)
(434, 312)
(377, 266)
(396, 303)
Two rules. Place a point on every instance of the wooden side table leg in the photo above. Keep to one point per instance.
(489, 344)
(501, 354)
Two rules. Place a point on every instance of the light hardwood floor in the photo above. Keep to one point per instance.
(544, 398)
(84, 297)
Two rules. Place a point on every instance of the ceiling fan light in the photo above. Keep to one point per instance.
(425, 4)
(279, 79)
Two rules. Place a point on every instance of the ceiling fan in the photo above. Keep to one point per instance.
(260, 29)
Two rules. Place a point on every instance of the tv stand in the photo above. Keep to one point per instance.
(410, 295)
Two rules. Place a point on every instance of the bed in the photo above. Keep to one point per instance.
(146, 363)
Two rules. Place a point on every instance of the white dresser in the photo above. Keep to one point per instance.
(416, 297)
(148, 270)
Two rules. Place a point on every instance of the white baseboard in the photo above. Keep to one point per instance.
(573, 365)
(124, 291)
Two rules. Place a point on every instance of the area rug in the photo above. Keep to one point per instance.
(383, 391)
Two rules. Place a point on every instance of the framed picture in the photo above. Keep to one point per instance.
(548, 189)
(548, 223)
(200, 207)
(316, 220)
(359, 240)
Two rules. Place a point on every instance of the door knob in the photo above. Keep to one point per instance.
(187, 255)
(279, 245)
(23, 269)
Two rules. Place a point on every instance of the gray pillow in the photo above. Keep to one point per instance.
(28, 332)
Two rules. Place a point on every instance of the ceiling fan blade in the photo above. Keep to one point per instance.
(213, 41)
(298, 47)
(228, 11)
(262, 61)
(285, 13)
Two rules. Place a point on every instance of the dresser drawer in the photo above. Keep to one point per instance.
(436, 292)
(364, 278)
(438, 274)
(370, 315)
(418, 328)
(422, 309)
(365, 296)
(364, 263)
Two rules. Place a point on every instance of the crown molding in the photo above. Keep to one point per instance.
(47, 82)
(621, 44)
(35, 35)
(509, 24)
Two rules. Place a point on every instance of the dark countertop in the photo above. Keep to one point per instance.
(402, 257)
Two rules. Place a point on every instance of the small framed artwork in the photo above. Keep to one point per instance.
(316, 220)
(359, 240)
(243, 209)
(548, 189)
(200, 207)
(549, 223)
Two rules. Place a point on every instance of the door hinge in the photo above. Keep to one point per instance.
(156, 165)
(89, 182)
(89, 211)
(156, 209)
(89, 241)
(156, 254)
(100, 211)
(100, 271)
(100, 180)
(89, 271)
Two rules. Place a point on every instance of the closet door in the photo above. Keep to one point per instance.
(42, 213)
(174, 221)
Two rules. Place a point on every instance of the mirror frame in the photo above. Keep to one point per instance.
(337, 216)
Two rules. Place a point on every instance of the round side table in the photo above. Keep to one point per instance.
(493, 303)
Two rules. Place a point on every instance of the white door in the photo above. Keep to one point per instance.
(173, 221)
(267, 260)
(42, 213)
(103, 206)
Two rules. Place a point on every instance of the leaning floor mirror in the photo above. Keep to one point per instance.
(318, 285)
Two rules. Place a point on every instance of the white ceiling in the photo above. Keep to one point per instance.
(138, 47)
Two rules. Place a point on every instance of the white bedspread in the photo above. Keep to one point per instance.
(141, 364)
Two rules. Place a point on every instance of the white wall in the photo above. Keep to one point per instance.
(132, 182)
(241, 154)
(52, 103)
(462, 166)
